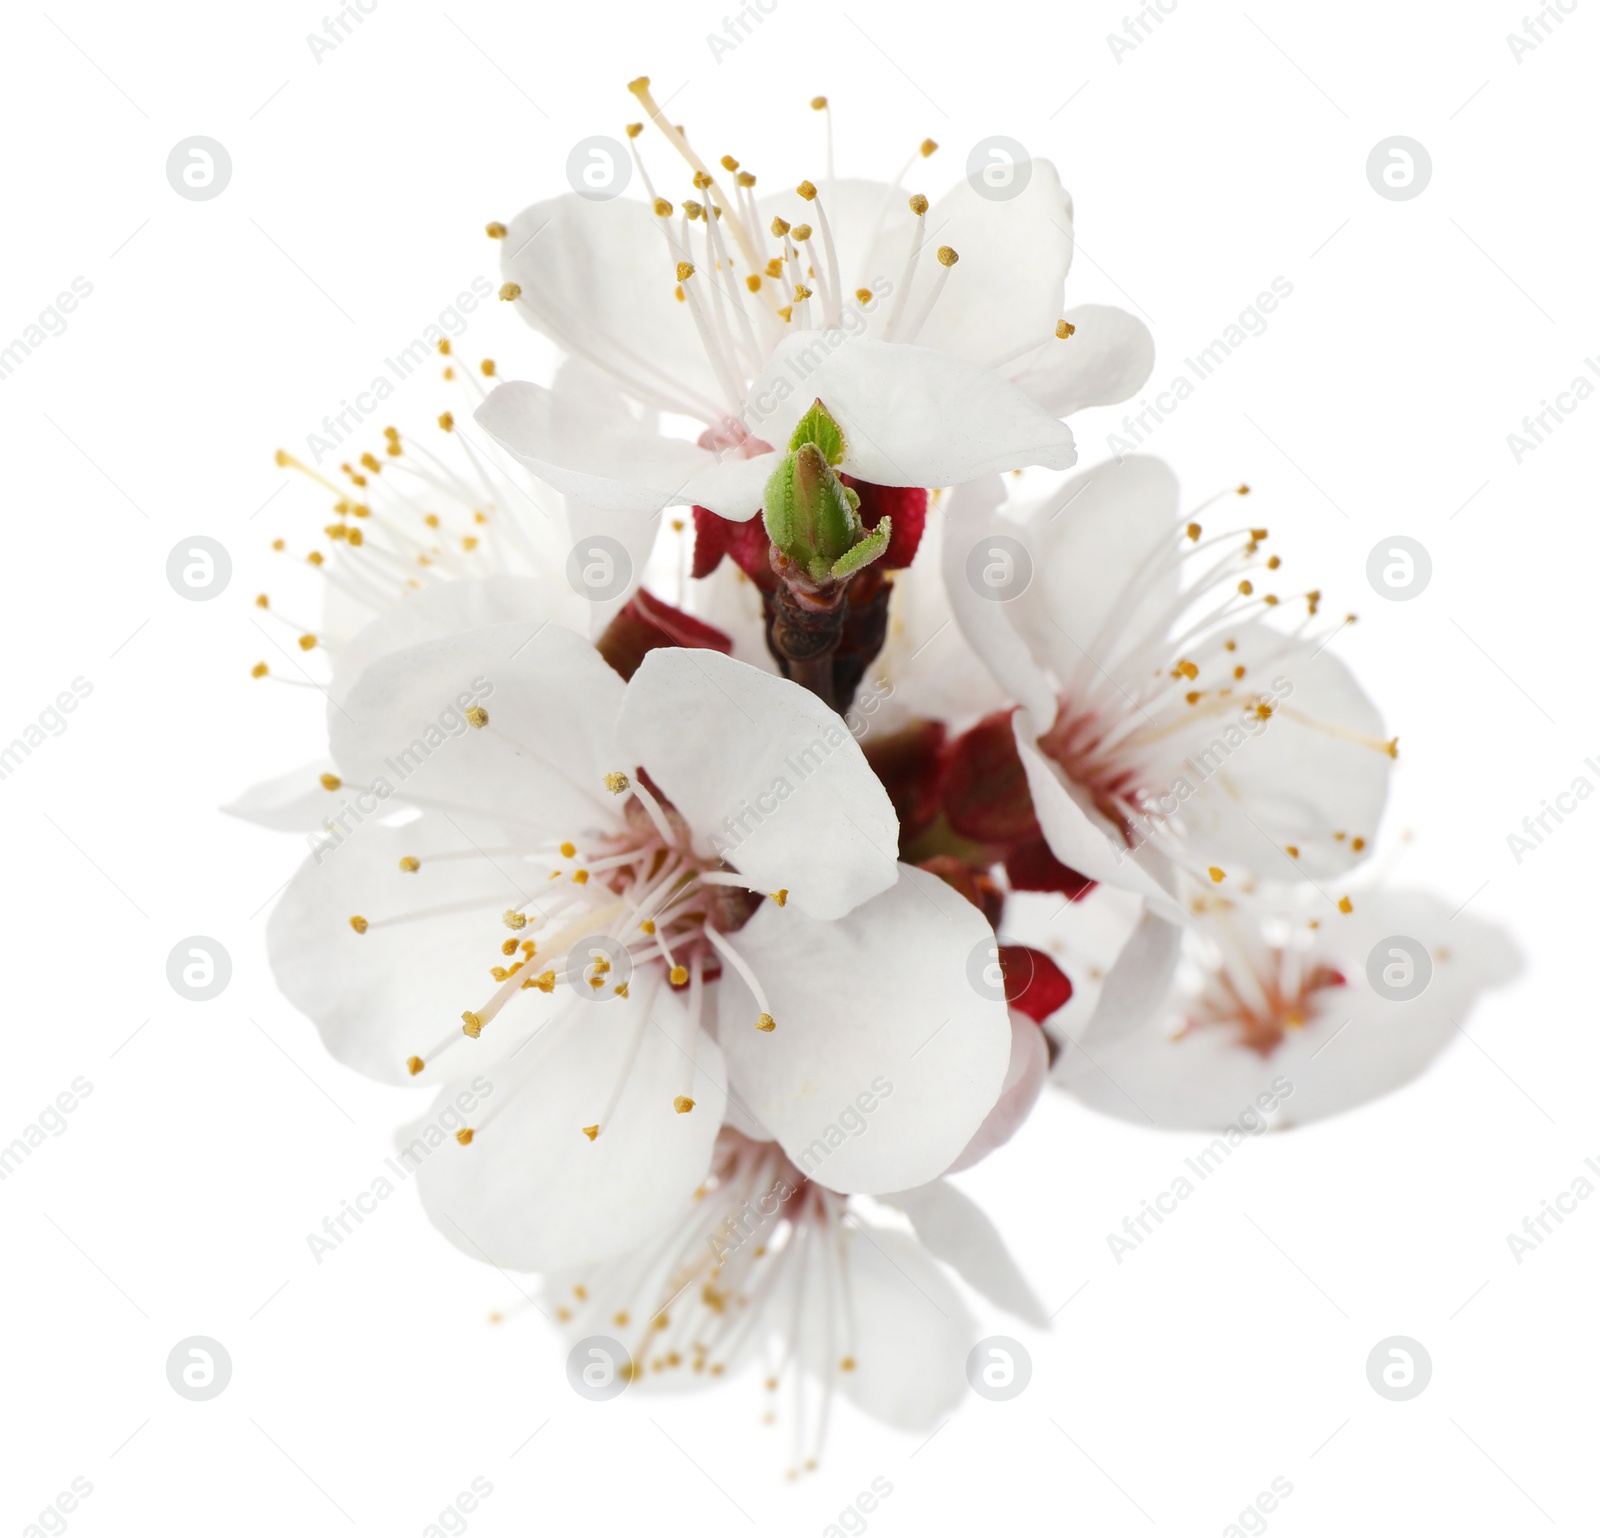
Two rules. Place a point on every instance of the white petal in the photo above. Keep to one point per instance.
(1079, 836)
(597, 279)
(295, 802)
(909, 1328)
(444, 608)
(1091, 540)
(926, 669)
(541, 761)
(971, 522)
(958, 1231)
(886, 1058)
(1025, 1076)
(910, 416)
(398, 990)
(1107, 359)
(612, 461)
(1136, 988)
(766, 774)
(1014, 253)
(1318, 766)
(532, 1192)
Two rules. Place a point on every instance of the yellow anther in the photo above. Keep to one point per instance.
(568, 850)
(864, 295)
(681, 1104)
(307, 642)
(765, 1022)
(744, 179)
(1216, 873)
(486, 368)
(581, 877)
(926, 148)
(685, 271)
(801, 293)
(693, 209)
(261, 601)
(477, 716)
(663, 207)
(508, 947)
(616, 782)
(1193, 696)
(464, 1136)
(802, 232)
(919, 204)
(1193, 531)
(702, 180)
(1263, 711)
(315, 558)
(1358, 844)
(787, 312)
(259, 670)
(1064, 329)
(634, 130)
(355, 536)
(1246, 588)
(781, 896)
(409, 862)
(1392, 747)
(729, 163)
(753, 283)
(1346, 906)
(509, 291)
(775, 267)
(1188, 670)
(1258, 535)
(648, 926)
(1292, 850)
(779, 227)
(592, 1132)
(819, 103)
(330, 781)
(414, 1066)
(358, 923)
(1274, 562)
(1238, 672)
(947, 256)
(444, 347)
(470, 1023)
(513, 919)
(679, 975)
(807, 191)
(495, 230)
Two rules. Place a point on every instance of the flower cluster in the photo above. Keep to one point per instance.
(758, 867)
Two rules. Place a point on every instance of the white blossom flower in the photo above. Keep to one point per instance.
(1264, 1011)
(763, 1266)
(620, 847)
(934, 334)
(1168, 722)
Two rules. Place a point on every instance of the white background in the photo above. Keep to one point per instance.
(1225, 150)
